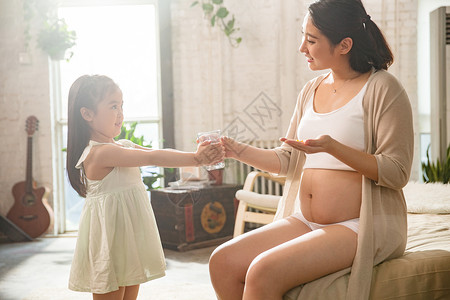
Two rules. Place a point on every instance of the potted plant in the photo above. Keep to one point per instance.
(55, 39)
(438, 171)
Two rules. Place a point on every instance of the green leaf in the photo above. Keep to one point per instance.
(127, 132)
(438, 171)
(150, 180)
(208, 8)
(229, 31)
(222, 13)
(216, 14)
(230, 23)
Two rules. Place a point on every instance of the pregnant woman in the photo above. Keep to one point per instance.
(347, 154)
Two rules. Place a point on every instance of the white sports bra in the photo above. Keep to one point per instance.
(345, 124)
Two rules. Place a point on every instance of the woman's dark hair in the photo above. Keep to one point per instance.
(338, 19)
(87, 91)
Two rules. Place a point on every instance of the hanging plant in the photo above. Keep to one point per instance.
(55, 39)
(219, 15)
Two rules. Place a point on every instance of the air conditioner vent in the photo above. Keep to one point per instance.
(447, 29)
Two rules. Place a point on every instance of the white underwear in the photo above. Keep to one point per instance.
(352, 224)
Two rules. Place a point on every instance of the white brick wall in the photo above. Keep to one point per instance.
(209, 74)
(23, 92)
(217, 77)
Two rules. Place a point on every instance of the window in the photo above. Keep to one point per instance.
(119, 40)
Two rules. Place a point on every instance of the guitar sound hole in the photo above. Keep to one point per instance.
(28, 200)
(28, 217)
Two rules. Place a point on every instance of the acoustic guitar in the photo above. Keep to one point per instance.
(31, 211)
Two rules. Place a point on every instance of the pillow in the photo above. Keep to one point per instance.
(427, 198)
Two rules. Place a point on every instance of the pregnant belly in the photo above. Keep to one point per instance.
(330, 196)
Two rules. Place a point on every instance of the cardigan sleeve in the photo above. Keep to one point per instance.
(394, 136)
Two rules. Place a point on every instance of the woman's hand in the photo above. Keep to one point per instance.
(231, 147)
(321, 144)
(263, 159)
(362, 162)
(209, 153)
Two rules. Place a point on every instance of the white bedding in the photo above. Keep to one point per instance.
(429, 198)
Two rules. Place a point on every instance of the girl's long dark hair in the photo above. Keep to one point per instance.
(338, 19)
(87, 91)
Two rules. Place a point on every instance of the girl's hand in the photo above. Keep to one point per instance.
(321, 144)
(209, 153)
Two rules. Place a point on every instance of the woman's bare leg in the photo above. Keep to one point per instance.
(303, 259)
(229, 263)
(116, 295)
(131, 292)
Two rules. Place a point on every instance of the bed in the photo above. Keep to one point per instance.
(423, 272)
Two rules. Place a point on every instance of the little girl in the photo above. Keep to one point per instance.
(118, 244)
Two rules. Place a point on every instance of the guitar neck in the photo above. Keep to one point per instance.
(29, 177)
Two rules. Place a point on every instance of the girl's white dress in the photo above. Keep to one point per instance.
(118, 241)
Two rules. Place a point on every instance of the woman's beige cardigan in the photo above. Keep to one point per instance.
(382, 232)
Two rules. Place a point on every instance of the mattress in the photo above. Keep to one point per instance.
(423, 272)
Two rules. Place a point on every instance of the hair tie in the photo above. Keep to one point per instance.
(364, 20)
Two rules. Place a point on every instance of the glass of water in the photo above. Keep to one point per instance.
(214, 137)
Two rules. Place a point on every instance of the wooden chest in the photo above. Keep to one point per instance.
(189, 219)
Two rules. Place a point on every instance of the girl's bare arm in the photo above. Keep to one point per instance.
(111, 155)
